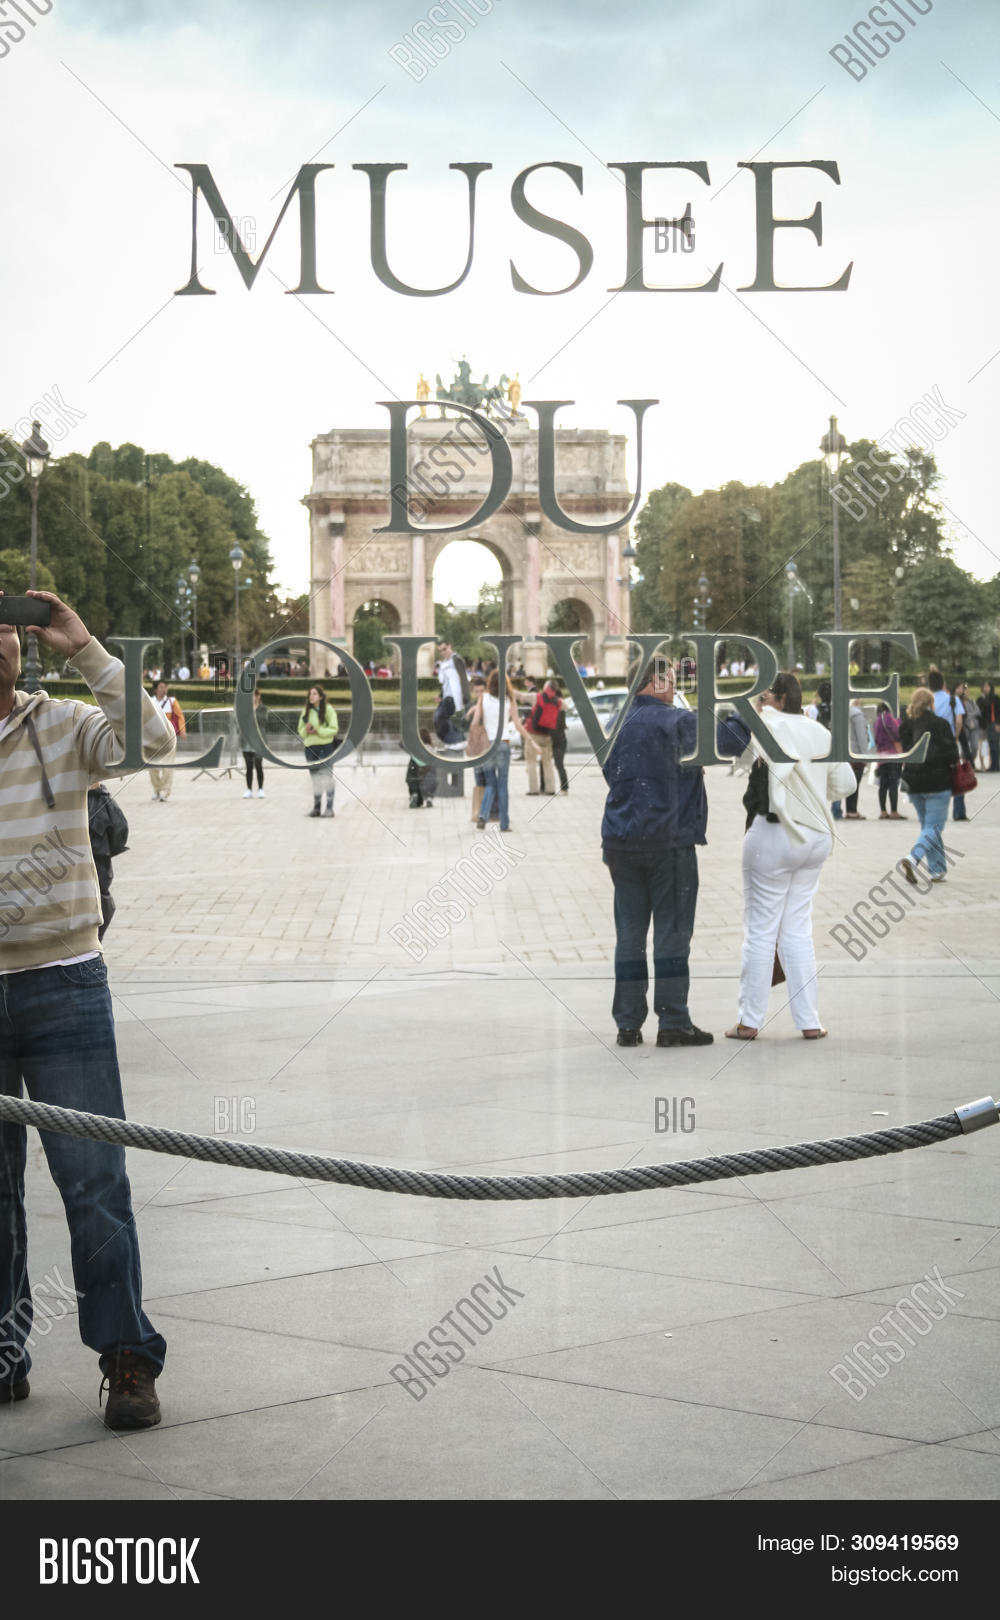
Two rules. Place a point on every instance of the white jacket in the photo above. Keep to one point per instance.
(800, 792)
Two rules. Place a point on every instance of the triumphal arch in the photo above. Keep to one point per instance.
(543, 565)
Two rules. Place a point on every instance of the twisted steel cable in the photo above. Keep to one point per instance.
(433, 1184)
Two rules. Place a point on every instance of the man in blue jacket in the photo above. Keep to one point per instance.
(656, 812)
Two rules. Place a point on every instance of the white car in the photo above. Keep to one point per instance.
(607, 702)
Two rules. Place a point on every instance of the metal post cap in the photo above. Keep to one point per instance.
(975, 1116)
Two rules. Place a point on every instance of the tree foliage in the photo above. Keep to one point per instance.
(118, 528)
(742, 537)
(463, 627)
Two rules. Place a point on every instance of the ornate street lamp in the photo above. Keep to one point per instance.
(194, 575)
(629, 555)
(702, 603)
(182, 607)
(236, 558)
(833, 445)
(36, 453)
(795, 588)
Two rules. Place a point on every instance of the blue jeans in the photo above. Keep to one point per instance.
(661, 884)
(496, 787)
(932, 813)
(57, 1037)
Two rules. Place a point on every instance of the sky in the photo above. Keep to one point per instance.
(101, 98)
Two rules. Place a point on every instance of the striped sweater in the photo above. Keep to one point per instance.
(50, 904)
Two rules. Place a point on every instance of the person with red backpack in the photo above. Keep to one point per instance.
(541, 727)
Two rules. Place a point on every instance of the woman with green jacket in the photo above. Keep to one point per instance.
(318, 729)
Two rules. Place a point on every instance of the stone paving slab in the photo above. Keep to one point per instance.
(916, 1474)
(943, 1388)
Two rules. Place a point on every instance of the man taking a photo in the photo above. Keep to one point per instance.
(57, 1035)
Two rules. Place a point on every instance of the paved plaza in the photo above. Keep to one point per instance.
(671, 1344)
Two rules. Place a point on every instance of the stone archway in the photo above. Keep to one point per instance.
(434, 550)
(542, 562)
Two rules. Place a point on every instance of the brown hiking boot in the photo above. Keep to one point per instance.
(132, 1399)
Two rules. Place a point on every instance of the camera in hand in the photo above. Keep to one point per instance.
(25, 610)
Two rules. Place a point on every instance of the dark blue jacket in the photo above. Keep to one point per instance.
(654, 800)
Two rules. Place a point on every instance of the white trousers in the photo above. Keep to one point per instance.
(779, 881)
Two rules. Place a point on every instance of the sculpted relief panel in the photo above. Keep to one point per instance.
(575, 556)
(381, 557)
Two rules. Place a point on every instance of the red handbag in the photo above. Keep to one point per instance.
(963, 777)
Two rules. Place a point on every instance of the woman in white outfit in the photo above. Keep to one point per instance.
(789, 836)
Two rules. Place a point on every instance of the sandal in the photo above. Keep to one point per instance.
(741, 1032)
(814, 1034)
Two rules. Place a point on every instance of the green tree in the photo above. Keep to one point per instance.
(15, 573)
(742, 538)
(490, 614)
(949, 612)
(652, 596)
(370, 626)
(119, 527)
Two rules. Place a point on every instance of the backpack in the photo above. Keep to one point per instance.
(545, 714)
(107, 822)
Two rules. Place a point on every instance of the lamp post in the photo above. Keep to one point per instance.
(795, 588)
(194, 575)
(36, 453)
(182, 603)
(702, 603)
(236, 558)
(629, 555)
(833, 445)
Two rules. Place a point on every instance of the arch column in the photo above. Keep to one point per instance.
(337, 625)
(532, 575)
(418, 585)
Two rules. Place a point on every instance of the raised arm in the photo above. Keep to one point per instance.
(100, 732)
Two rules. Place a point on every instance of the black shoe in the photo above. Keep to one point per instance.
(480, 824)
(630, 1037)
(414, 801)
(132, 1400)
(19, 1390)
(684, 1037)
(315, 811)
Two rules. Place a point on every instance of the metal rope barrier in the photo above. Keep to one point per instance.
(431, 1184)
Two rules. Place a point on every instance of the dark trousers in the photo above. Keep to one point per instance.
(254, 762)
(559, 760)
(851, 804)
(888, 785)
(661, 885)
(57, 1042)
